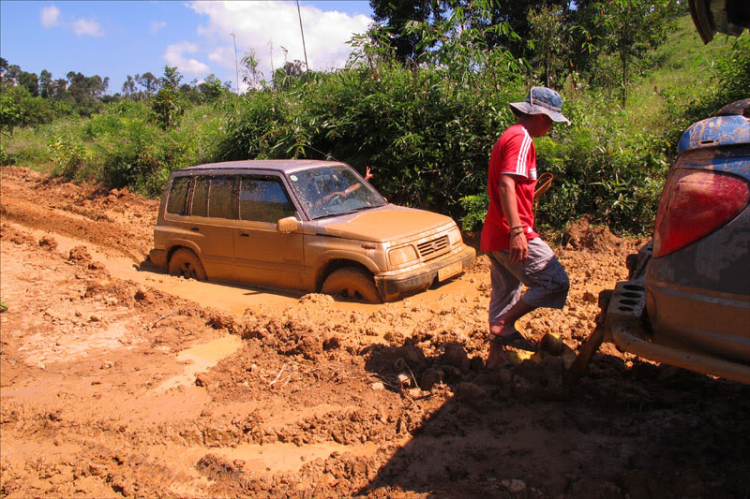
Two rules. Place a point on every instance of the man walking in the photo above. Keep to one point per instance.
(517, 253)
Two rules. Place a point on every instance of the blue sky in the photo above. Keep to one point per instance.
(116, 39)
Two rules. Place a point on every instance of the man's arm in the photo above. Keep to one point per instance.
(519, 247)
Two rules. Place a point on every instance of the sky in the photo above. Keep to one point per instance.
(121, 38)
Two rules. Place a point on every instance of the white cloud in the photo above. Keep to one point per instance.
(266, 27)
(175, 57)
(50, 16)
(156, 26)
(86, 27)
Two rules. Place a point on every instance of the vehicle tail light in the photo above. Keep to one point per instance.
(694, 204)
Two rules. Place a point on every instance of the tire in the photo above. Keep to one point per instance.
(352, 283)
(185, 263)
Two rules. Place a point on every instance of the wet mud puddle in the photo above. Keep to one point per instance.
(200, 359)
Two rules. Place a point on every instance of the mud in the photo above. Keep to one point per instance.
(119, 381)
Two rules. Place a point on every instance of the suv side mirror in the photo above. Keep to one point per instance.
(288, 224)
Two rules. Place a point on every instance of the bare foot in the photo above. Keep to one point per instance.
(496, 358)
(500, 329)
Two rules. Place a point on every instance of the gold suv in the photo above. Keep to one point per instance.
(314, 226)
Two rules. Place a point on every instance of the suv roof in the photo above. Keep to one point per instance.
(729, 127)
(280, 165)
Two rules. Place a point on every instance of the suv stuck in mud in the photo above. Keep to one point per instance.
(305, 225)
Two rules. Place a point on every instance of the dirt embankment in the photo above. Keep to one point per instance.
(124, 382)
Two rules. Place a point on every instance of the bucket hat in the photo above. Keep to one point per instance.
(542, 100)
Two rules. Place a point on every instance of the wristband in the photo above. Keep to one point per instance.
(516, 227)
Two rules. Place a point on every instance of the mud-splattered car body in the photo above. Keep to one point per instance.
(293, 224)
(687, 302)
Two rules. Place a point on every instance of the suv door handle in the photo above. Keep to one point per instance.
(195, 229)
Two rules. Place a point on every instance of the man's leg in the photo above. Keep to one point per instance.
(548, 287)
(505, 294)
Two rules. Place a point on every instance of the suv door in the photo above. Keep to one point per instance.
(263, 255)
(213, 218)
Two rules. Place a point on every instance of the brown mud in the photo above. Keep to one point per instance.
(116, 380)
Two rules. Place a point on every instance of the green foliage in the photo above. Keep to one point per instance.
(18, 108)
(475, 206)
(426, 127)
(68, 157)
(733, 71)
(167, 106)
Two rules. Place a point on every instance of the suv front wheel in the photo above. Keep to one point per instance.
(352, 283)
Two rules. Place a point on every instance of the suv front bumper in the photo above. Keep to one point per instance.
(392, 286)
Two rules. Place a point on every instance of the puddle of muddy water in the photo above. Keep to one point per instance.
(266, 458)
(201, 358)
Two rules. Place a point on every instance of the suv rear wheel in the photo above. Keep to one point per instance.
(185, 263)
(352, 283)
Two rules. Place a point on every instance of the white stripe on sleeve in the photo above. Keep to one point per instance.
(522, 155)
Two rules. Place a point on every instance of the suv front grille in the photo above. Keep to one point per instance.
(432, 249)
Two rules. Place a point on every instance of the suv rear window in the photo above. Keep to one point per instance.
(178, 196)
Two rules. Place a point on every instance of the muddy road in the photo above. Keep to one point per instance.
(116, 380)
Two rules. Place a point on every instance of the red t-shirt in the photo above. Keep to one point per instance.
(513, 154)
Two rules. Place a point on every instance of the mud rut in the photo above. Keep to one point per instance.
(120, 381)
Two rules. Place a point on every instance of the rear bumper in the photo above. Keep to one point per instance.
(626, 324)
(158, 258)
(394, 286)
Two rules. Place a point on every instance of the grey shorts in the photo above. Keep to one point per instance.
(542, 274)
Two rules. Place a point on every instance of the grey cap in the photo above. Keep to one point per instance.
(542, 100)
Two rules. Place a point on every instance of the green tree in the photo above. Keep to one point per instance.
(3, 68)
(166, 105)
(86, 91)
(551, 43)
(128, 87)
(250, 73)
(30, 81)
(45, 84)
(211, 88)
(629, 29)
(395, 15)
(149, 82)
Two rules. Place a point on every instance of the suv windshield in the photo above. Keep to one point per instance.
(333, 190)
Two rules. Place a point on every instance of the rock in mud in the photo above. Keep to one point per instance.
(217, 468)
(141, 294)
(316, 299)
(412, 354)
(79, 254)
(48, 242)
(470, 394)
(310, 347)
(430, 378)
(456, 356)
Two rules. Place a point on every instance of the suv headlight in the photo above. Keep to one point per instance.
(454, 236)
(402, 255)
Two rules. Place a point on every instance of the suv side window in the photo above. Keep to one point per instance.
(222, 199)
(200, 196)
(177, 203)
(263, 199)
